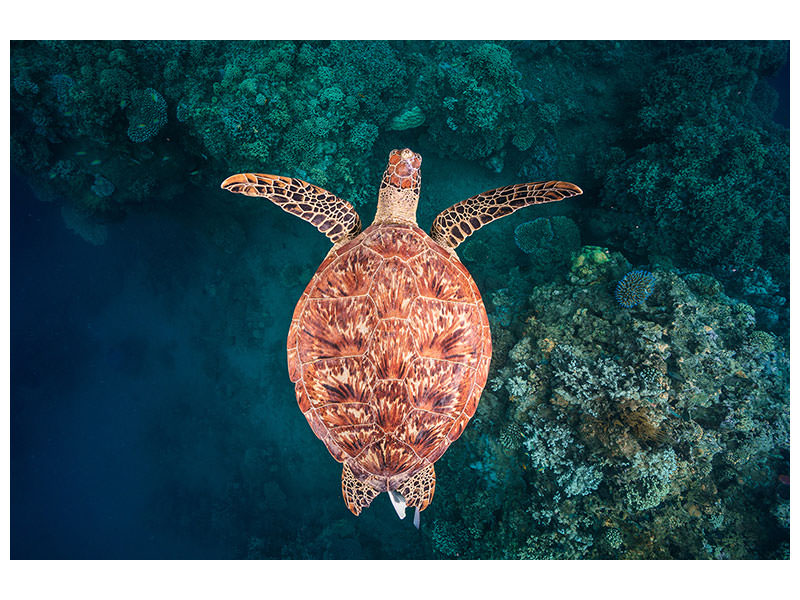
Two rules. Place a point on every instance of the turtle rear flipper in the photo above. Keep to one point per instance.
(418, 489)
(333, 216)
(455, 224)
(357, 494)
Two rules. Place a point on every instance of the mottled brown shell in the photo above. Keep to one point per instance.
(389, 350)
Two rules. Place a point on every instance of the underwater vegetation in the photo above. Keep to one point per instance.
(647, 421)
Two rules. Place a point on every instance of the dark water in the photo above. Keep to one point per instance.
(138, 423)
(99, 365)
(151, 411)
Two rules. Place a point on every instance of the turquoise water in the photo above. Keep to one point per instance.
(151, 412)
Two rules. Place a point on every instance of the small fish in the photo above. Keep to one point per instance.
(165, 158)
(195, 172)
(80, 153)
(676, 376)
(784, 479)
(96, 162)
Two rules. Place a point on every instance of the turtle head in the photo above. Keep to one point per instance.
(402, 172)
(399, 193)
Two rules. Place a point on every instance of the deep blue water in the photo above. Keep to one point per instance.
(139, 429)
(94, 357)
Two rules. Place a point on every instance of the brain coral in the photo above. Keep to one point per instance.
(408, 119)
(634, 288)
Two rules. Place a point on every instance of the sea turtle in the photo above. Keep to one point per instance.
(389, 345)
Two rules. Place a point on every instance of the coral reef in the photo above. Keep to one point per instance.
(659, 431)
(619, 434)
(408, 119)
(549, 241)
(676, 139)
(700, 175)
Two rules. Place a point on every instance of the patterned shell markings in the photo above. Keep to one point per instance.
(389, 350)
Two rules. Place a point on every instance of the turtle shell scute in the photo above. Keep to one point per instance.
(427, 269)
(404, 242)
(424, 431)
(389, 348)
(388, 456)
(440, 386)
(332, 328)
(391, 403)
(343, 380)
(342, 277)
(353, 439)
(393, 289)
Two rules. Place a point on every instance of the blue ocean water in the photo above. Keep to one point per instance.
(99, 364)
(151, 411)
(136, 424)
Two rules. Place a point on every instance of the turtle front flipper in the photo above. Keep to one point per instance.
(333, 216)
(357, 494)
(455, 224)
